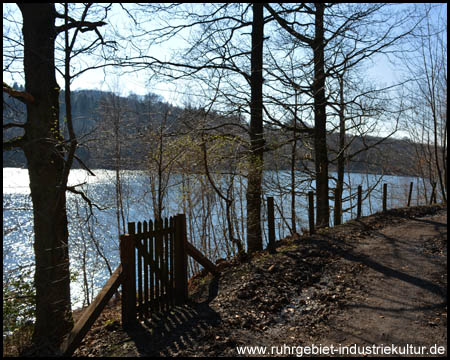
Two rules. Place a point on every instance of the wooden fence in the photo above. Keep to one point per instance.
(271, 215)
(155, 257)
(91, 314)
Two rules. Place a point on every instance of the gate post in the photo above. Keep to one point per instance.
(180, 268)
(129, 277)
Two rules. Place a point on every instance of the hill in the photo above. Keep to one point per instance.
(94, 113)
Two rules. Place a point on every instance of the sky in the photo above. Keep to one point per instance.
(379, 70)
(138, 82)
(107, 79)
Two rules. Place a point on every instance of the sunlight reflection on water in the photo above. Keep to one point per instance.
(18, 217)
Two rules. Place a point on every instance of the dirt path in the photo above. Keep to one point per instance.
(381, 280)
(403, 301)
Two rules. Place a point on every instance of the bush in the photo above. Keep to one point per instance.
(18, 311)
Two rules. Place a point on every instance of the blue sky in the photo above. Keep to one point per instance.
(379, 70)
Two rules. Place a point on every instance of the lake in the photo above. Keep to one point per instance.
(192, 195)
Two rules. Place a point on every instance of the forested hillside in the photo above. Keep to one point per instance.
(92, 110)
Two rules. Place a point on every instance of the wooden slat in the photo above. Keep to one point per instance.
(163, 266)
(180, 265)
(171, 282)
(200, 258)
(148, 259)
(160, 236)
(152, 272)
(139, 265)
(143, 307)
(157, 264)
(166, 264)
(145, 240)
(127, 258)
(91, 313)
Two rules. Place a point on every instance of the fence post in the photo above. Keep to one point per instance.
(358, 213)
(410, 193)
(271, 220)
(384, 197)
(180, 268)
(337, 205)
(127, 259)
(433, 193)
(311, 212)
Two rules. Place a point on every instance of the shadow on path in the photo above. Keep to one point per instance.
(166, 333)
(366, 259)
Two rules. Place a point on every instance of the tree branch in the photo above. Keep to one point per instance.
(83, 165)
(84, 26)
(22, 96)
(85, 198)
(11, 144)
(11, 125)
(284, 24)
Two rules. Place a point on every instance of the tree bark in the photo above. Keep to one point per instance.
(45, 160)
(293, 161)
(320, 119)
(254, 233)
(341, 156)
(320, 143)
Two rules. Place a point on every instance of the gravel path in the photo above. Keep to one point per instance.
(404, 296)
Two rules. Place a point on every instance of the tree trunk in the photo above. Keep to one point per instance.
(436, 150)
(45, 160)
(255, 168)
(340, 158)
(293, 161)
(320, 118)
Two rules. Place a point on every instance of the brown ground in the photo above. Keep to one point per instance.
(381, 280)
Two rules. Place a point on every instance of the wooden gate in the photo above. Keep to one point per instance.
(154, 258)
(157, 254)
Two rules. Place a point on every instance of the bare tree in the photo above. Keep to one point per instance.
(161, 159)
(322, 29)
(42, 146)
(228, 198)
(213, 52)
(427, 91)
(317, 44)
(49, 159)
